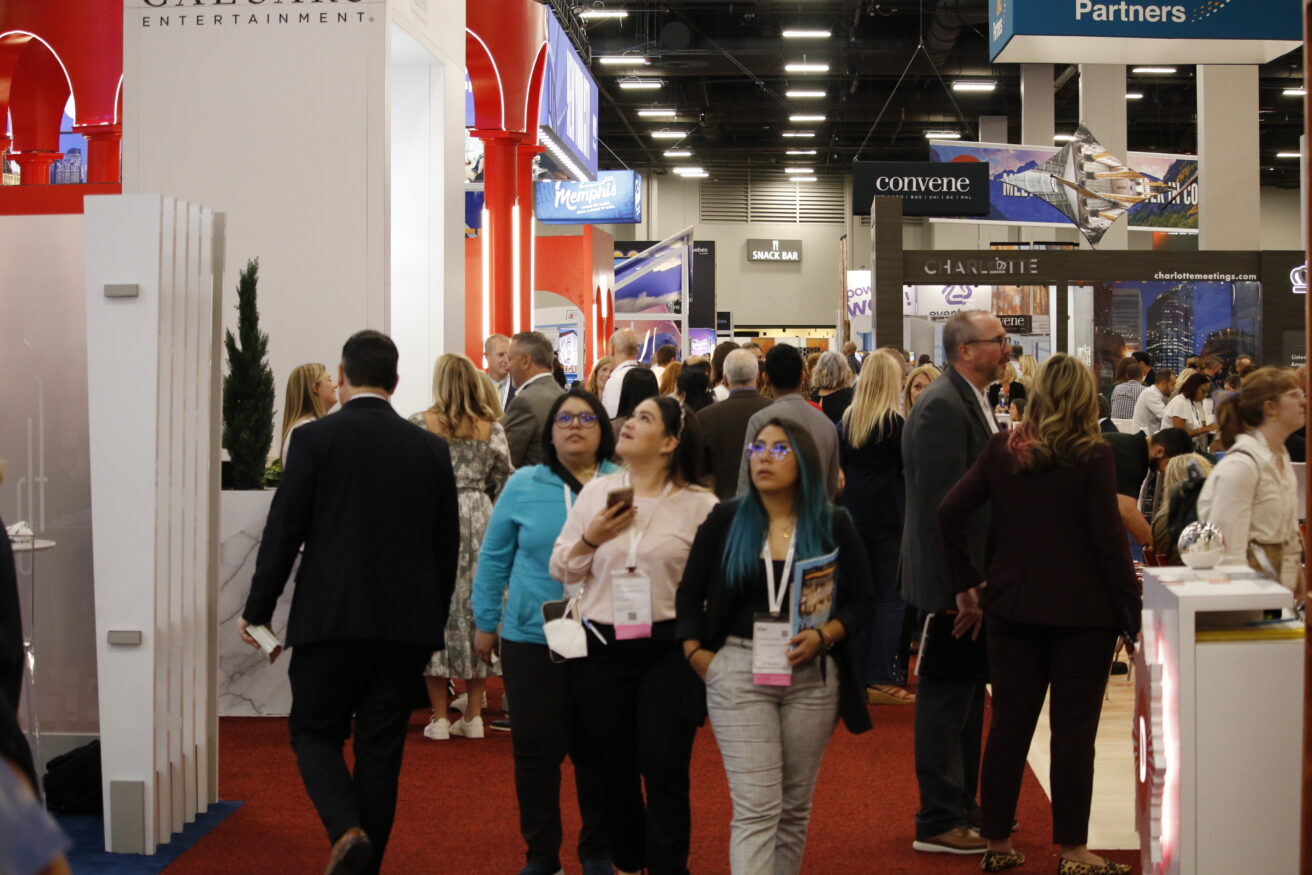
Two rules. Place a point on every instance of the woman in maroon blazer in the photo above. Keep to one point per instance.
(1058, 590)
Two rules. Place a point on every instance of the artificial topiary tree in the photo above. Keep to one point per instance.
(247, 389)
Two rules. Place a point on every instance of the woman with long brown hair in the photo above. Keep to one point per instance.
(311, 393)
(465, 411)
(1253, 493)
(1060, 588)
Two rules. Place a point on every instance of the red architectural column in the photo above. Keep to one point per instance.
(499, 192)
(104, 156)
(524, 178)
(34, 167)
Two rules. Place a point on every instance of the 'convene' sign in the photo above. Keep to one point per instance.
(956, 188)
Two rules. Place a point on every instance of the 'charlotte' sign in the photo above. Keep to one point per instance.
(775, 250)
(926, 189)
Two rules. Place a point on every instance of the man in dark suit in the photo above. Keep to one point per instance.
(12, 743)
(946, 430)
(724, 423)
(373, 501)
(525, 419)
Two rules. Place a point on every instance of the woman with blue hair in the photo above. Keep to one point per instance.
(775, 695)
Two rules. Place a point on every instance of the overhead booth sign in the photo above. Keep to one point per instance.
(614, 198)
(926, 188)
(1143, 31)
(567, 121)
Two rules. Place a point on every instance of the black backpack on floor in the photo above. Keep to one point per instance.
(73, 782)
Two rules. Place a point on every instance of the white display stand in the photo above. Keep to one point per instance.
(1218, 722)
(153, 292)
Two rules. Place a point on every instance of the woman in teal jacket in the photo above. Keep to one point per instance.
(550, 715)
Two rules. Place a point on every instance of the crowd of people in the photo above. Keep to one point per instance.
(661, 518)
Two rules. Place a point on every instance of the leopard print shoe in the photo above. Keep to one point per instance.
(1108, 867)
(999, 861)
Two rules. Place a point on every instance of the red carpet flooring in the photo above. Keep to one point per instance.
(457, 808)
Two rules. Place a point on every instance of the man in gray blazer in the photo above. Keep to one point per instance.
(944, 433)
(535, 392)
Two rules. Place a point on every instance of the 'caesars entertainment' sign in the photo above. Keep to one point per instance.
(217, 14)
(927, 189)
(775, 250)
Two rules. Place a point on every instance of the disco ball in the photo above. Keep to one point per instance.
(1202, 545)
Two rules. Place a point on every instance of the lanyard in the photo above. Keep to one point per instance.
(636, 533)
(569, 498)
(777, 595)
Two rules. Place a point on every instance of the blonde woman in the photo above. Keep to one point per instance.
(917, 381)
(1061, 588)
(311, 393)
(669, 378)
(1178, 470)
(831, 384)
(870, 453)
(1003, 392)
(465, 412)
(1029, 369)
(600, 374)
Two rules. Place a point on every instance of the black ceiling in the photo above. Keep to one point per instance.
(722, 62)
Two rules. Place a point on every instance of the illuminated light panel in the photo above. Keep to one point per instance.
(678, 153)
(657, 113)
(800, 67)
(942, 135)
(1134, 95)
(799, 33)
(668, 135)
(800, 152)
(559, 153)
(1289, 154)
(1161, 71)
(623, 60)
(801, 179)
(802, 92)
(487, 276)
(517, 308)
(1294, 92)
(806, 118)
(799, 170)
(974, 85)
(602, 13)
(686, 171)
(702, 175)
(796, 134)
(641, 84)
(1063, 138)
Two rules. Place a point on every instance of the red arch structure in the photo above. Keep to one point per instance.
(46, 55)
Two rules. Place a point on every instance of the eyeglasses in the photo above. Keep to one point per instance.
(1001, 340)
(585, 420)
(778, 452)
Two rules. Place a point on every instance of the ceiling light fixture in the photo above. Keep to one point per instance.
(623, 60)
(602, 13)
(974, 85)
(799, 133)
(799, 170)
(1289, 154)
(685, 171)
(806, 118)
(657, 113)
(801, 179)
(794, 33)
(1160, 71)
(942, 135)
(800, 67)
(800, 152)
(702, 175)
(804, 93)
(668, 135)
(640, 84)
(1295, 92)
(678, 153)
(1063, 138)
(1134, 95)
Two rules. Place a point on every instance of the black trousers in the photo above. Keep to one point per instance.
(948, 732)
(551, 720)
(332, 682)
(1026, 660)
(639, 689)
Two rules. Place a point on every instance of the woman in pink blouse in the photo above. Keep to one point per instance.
(626, 540)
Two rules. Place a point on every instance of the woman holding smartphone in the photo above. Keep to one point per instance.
(774, 707)
(626, 540)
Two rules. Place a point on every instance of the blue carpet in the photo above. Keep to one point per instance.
(89, 855)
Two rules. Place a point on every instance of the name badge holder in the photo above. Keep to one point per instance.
(771, 632)
(631, 589)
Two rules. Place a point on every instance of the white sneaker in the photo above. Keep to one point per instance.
(438, 729)
(461, 701)
(468, 728)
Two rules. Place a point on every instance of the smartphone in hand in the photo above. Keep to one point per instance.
(622, 497)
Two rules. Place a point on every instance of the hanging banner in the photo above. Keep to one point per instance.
(569, 103)
(1143, 31)
(615, 198)
(858, 293)
(1175, 209)
(958, 188)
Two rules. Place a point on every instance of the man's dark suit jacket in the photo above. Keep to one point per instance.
(11, 625)
(724, 431)
(1067, 565)
(526, 417)
(944, 434)
(373, 499)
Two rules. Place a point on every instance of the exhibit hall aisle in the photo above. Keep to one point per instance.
(457, 807)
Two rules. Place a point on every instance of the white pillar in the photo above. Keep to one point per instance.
(1037, 117)
(1229, 170)
(993, 129)
(1102, 110)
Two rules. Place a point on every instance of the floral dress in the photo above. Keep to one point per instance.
(481, 469)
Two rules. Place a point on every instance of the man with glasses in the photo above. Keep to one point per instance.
(530, 363)
(724, 424)
(944, 433)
